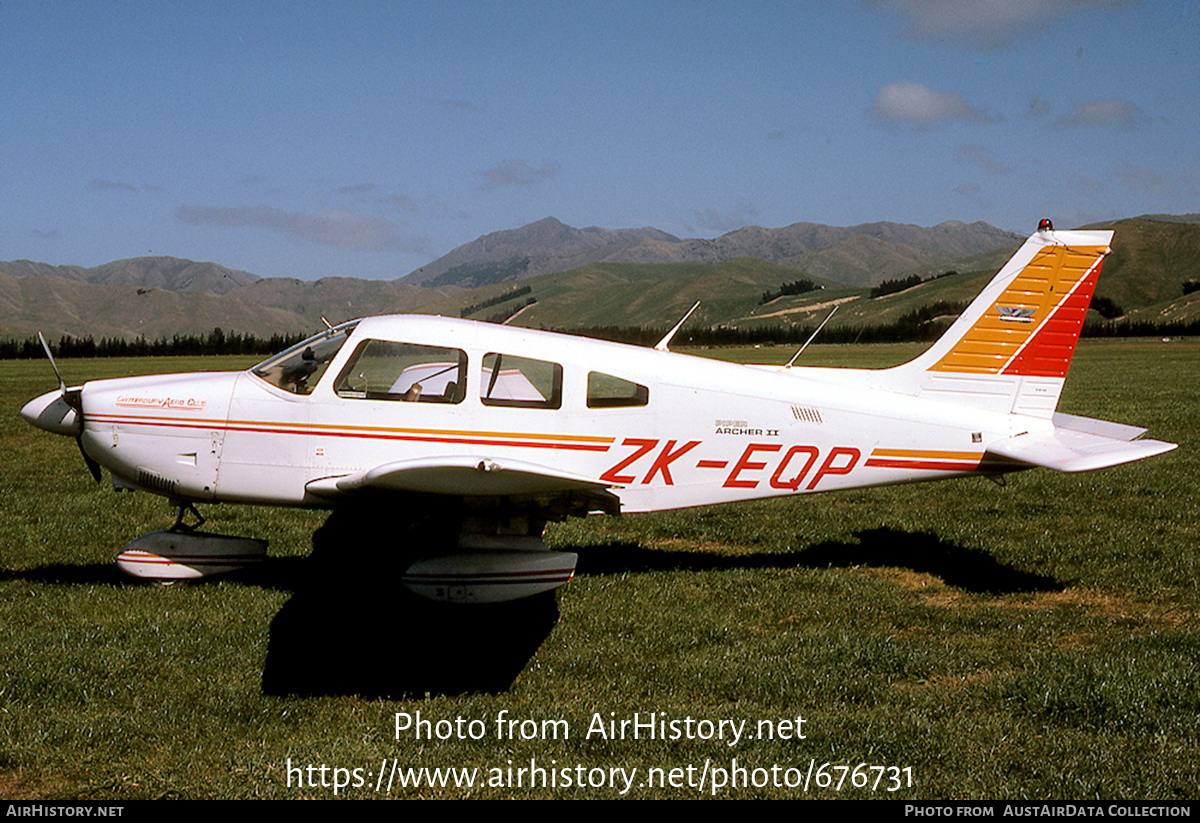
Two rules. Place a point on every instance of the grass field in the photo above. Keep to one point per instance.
(1038, 640)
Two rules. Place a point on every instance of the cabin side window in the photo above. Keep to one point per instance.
(520, 382)
(605, 391)
(383, 370)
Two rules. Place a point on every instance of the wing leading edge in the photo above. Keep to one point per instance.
(463, 476)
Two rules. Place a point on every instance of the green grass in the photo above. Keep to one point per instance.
(1034, 641)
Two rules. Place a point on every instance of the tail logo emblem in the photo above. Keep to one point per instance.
(1016, 314)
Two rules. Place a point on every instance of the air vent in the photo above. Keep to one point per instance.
(807, 414)
(153, 482)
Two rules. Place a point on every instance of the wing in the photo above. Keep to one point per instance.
(464, 476)
(1079, 444)
(490, 549)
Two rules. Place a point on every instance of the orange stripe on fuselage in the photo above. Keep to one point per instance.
(927, 453)
(575, 442)
(923, 459)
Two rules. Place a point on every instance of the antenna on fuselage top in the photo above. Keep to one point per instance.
(662, 344)
(796, 356)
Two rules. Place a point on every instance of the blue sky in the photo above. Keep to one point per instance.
(309, 139)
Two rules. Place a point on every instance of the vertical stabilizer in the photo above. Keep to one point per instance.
(1010, 350)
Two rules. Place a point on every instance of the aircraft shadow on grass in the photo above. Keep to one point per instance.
(968, 569)
(352, 628)
(358, 631)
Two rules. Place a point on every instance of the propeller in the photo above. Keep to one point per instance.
(74, 399)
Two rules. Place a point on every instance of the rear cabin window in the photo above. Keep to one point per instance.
(383, 370)
(520, 382)
(608, 392)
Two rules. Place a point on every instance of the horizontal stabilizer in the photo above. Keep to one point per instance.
(460, 475)
(1090, 425)
(1079, 444)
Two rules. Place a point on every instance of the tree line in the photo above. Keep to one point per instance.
(801, 286)
(216, 342)
(921, 325)
(925, 324)
(494, 301)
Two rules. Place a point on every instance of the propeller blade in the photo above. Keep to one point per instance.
(74, 399)
(62, 386)
(92, 465)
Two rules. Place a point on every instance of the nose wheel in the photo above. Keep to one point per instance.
(182, 552)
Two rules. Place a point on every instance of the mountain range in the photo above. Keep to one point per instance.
(585, 277)
(863, 255)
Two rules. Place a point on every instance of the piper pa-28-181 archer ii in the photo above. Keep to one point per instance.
(485, 433)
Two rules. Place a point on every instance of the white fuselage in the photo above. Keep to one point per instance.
(693, 432)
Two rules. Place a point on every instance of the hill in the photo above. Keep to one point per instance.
(538, 248)
(163, 296)
(1151, 259)
(641, 294)
(168, 273)
(336, 298)
(656, 295)
(57, 305)
(861, 255)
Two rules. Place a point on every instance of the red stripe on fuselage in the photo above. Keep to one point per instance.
(522, 440)
(937, 465)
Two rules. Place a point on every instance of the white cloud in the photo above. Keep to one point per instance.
(98, 184)
(458, 104)
(1107, 112)
(1038, 108)
(401, 203)
(982, 158)
(1086, 186)
(911, 103)
(516, 173)
(1147, 181)
(326, 228)
(708, 221)
(987, 24)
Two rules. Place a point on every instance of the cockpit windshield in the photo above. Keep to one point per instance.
(299, 368)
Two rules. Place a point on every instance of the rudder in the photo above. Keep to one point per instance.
(1010, 350)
